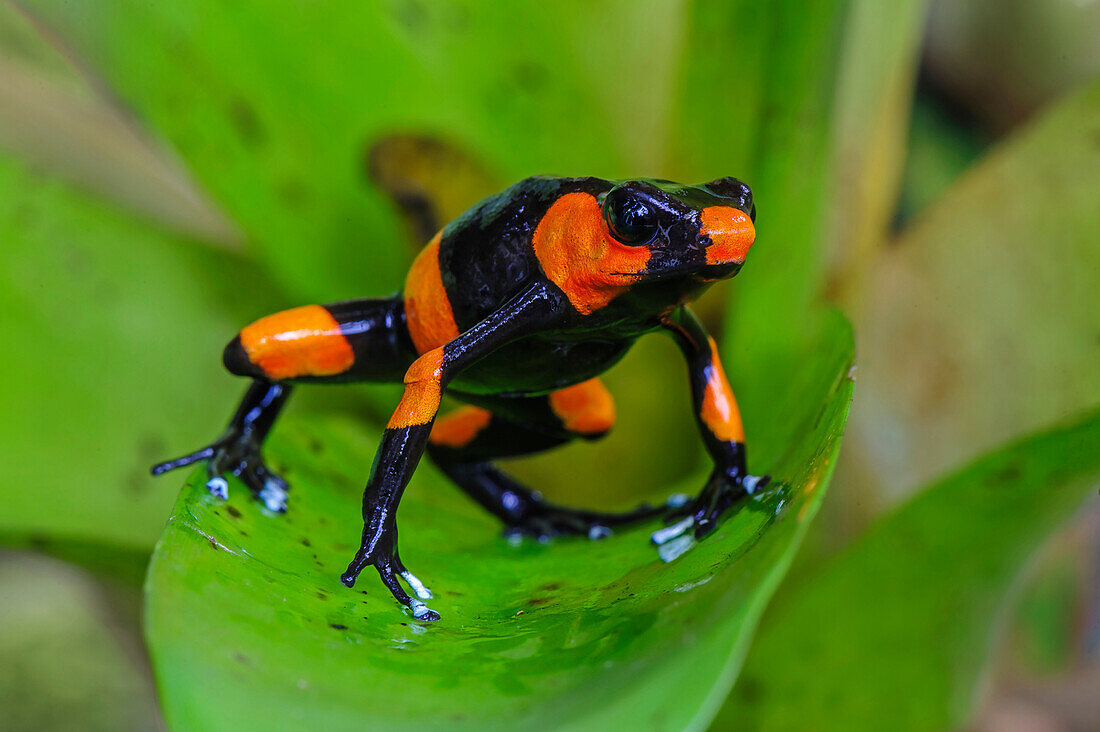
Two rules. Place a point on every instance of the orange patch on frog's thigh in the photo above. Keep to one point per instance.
(304, 341)
(719, 410)
(460, 427)
(579, 255)
(731, 233)
(586, 408)
(428, 312)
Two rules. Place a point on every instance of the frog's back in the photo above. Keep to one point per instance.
(486, 255)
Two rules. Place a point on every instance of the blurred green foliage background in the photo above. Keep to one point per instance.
(171, 171)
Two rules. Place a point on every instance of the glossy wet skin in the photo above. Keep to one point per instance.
(668, 219)
(648, 247)
(516, 308)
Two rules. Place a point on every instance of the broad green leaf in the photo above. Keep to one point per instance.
(893, 632)
(249, 625)
(56, 119)
(985, 323)
(274, 105)
(114, 333)
(757, 101)
(873, 106)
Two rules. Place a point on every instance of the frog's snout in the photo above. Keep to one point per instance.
(737, 192)
(731, 233)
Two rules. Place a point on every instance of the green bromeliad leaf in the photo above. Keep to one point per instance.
(250, 626)
(893, 632)
(279, 110)
(275, 106)
(104, 316)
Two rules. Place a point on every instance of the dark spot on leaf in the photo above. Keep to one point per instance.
(551, 586)
(322, 596)
(1008, 474)
(539, 600)
(749, 688)
(337, 626)
(246, 122)
(306, 542)
(530, 76)
(293, 192)
(244, 534)
(213, 543)
(232, 511)
(241, 658)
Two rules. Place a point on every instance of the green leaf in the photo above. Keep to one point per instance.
(984, 325)
(893, 632)
(103, 318)
(249, 625)
(59, 121)
(279, 133)
(873, 107)
(757, 101)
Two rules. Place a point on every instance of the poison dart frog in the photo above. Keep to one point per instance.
(515, 308)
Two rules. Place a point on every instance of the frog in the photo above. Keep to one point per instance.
(515, 309)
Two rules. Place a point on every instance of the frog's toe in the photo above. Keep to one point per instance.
(218, 487)
(755, 483)
(416, 585)
(273, 495)
(676, 530)
(422, 612)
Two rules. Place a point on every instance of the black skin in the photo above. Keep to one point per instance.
(520, 339)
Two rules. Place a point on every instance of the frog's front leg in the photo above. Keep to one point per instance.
(406, 435)
(238, 450)
(720, 425)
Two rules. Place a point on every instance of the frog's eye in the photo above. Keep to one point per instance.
(632, 219)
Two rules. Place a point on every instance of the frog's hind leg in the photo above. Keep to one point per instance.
(357, 340)
(237, 450)
(464, 442)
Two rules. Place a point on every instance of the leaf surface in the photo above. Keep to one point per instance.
(985, 317)
(893, 632)
(104, 317)
(249, 625)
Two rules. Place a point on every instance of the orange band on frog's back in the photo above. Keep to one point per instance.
(428, 312)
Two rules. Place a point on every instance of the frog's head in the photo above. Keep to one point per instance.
(699, 232)
(662, 241)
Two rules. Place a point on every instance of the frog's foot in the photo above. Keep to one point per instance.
(544, 521)
(378, 549)
(696, 518)
(233, 454)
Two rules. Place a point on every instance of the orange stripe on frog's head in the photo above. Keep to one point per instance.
(579, 255)
(731, 233)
